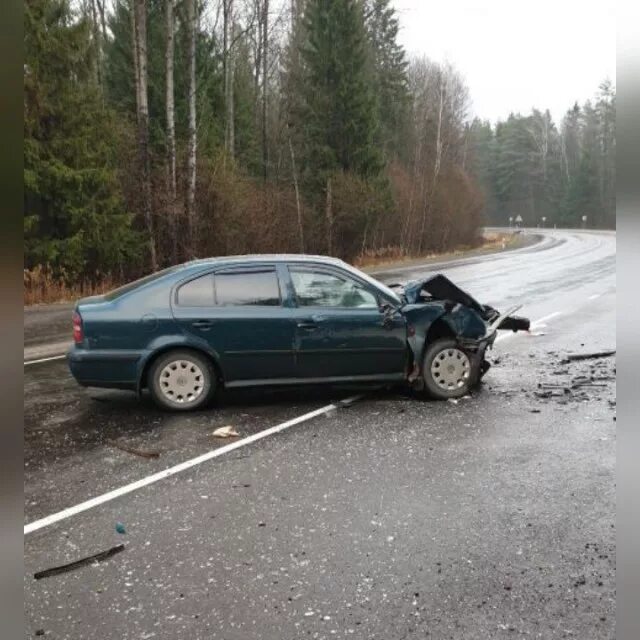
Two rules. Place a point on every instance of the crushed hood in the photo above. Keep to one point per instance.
(438, 287)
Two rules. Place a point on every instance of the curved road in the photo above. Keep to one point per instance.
(393, 518)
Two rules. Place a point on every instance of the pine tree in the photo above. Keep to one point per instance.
(481, 164)
(581, 198)
(339, 111)
(389, 71)
(75, 221)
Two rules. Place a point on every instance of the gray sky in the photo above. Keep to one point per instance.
(516, 55)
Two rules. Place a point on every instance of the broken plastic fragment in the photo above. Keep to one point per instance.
(225, 432)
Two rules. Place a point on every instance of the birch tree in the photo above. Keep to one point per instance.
(142, 104)
(228, 67)
(265, 85)
(171, 125)
(192, 131)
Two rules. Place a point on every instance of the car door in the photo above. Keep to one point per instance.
(239, 313)
(340, 329)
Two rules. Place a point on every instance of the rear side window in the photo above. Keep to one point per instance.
(235, 288)
(197, 293)
(240, 288)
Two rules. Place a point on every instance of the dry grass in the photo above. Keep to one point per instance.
(389, 256)
(42, 287)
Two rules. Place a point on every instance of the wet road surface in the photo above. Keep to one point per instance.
(393, 518)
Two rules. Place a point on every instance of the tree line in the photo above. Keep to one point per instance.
(156, 131)
(532, 168)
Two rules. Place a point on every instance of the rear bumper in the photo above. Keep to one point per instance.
(104, 368)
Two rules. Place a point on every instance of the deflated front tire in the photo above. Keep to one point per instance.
(448, 371)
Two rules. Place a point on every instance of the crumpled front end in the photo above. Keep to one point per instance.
(436, 308)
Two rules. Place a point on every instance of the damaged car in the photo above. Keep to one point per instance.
(246, 321)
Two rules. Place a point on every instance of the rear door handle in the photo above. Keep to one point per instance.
(307, 325)
(202, 324)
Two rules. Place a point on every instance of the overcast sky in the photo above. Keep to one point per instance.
(516, 55)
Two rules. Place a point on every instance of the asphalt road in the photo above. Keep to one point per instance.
(391, 518)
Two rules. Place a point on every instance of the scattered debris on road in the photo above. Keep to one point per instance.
(71, 566)
(136, 452)
(120, 528)
(580, 382)
(226, 432)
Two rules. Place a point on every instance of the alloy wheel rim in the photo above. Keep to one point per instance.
(181, 381)
(450, 369)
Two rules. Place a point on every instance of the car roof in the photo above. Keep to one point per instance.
(292, 257)
(267, 257)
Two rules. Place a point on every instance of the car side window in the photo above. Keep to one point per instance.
(240, 288)
(321, 289)
(197, 293)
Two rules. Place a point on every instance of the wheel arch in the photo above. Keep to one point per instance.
(438, 329)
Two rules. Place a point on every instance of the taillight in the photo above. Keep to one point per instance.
(78, 336)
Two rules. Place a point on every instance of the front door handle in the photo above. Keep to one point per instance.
(205, 325)
(307, 325)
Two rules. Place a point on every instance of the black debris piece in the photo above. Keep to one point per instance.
(574, 357)
(71, 566)
(136, 452)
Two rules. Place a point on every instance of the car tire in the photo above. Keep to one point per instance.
(181, 380)
(448, 371)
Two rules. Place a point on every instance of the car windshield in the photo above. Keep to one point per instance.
(131, 286)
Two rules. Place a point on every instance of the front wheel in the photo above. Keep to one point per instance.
(447, 370)
(181, 380)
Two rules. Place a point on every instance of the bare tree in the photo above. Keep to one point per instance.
(136, 54)
(540, 131)
(257, 50)
(103, 21)
(192, 134)
(297, 190)
(171, 124)
(329, 217)
(97, 41)
(229, 72)
(140, 52)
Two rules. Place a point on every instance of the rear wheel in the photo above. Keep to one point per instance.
(447, 370)
(181, 380)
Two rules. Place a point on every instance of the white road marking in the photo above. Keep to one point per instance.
(183, 466)
(540, 322)
(26, 362)
(594, 296)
